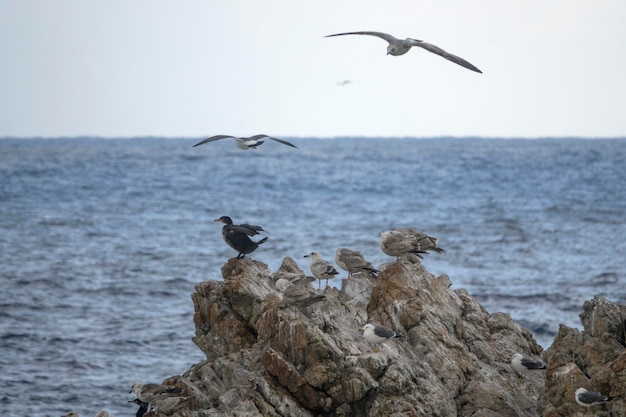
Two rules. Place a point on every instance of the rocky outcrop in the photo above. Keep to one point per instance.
(270, 357)
(594, 359)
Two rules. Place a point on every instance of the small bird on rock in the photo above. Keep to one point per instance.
(143, 407)
(320, 268)
(236, 236)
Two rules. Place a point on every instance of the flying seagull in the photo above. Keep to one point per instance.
(245, 143)
(401, 46)
(522, 364)
(320, 268)
(590, 398)
(236, 236)
(377, 334)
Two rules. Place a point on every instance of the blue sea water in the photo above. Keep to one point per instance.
(103, 240)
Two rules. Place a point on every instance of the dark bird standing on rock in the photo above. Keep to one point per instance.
(143, 407)
(236, 236)
(404, 241)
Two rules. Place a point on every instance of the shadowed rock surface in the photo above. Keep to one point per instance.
(265, 358)
(594, 359)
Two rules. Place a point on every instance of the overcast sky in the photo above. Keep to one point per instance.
(196, 68)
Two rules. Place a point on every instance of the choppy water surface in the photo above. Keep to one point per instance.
(102, 241)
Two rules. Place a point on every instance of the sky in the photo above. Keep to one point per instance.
(199, 68)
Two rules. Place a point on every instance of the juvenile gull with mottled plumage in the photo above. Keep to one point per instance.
(404, 241)
(354, 262)
(320, 268)
(149, 393)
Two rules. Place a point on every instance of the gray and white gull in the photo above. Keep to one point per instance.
(401, 46)
(591, 398)
(376, 335)
(246, 143)
(524, 365)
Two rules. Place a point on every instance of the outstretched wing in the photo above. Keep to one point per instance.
(263, 136)
(212, 139)
(381, 35)
(437, 50)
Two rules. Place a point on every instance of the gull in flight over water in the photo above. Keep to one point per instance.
(245, 143)
(401, 46)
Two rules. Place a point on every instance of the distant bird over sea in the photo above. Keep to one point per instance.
(320, 268)
(236, 236)
(591, 398)
(377, 334)
(404, 241)
(353, 262)
(523, 365)
(245, 143)
(401, 46)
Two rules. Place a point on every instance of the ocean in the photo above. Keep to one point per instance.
(103, 240)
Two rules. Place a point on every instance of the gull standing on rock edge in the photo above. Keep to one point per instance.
(376, 335)
(353, 262)
(245, 143)
(523, 365)
(401, 46)
(320, 268)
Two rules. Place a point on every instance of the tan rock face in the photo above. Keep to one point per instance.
(267, 357)
(594, 359)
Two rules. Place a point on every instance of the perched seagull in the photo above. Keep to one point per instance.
(403, 241)
(590, 398)
(353, 262)
(143, 407)
(297, 294)
(320, 268)
(377, 334)
(245, 143)
(149, 393)
(401, 46)
(236, 236)
(522, 364)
